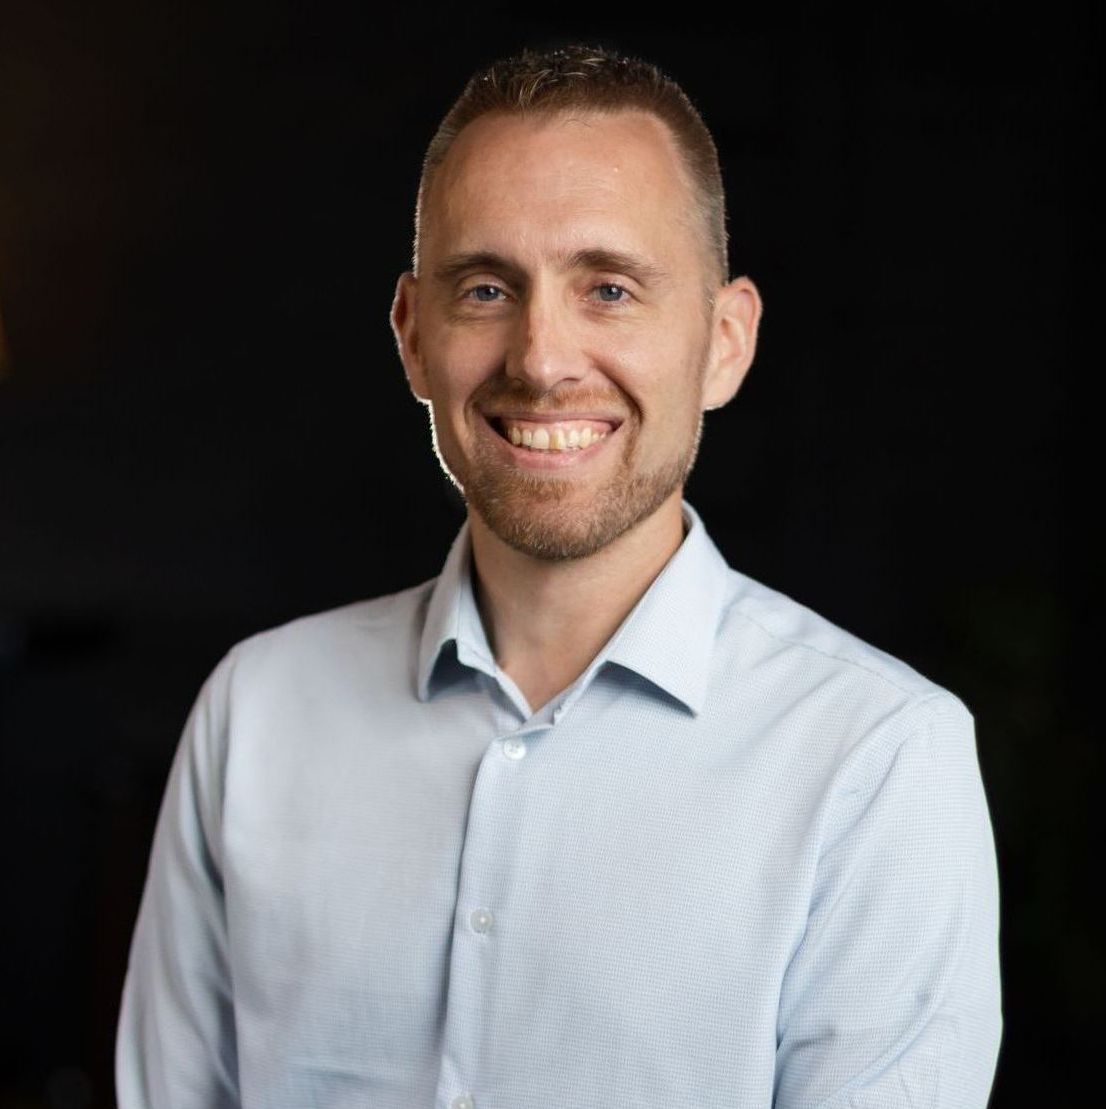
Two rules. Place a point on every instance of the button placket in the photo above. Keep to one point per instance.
(472, 961)
(514, 748)
(482, 920)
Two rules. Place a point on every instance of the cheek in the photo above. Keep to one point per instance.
(660, 374)
(456, 369)
(465, 344)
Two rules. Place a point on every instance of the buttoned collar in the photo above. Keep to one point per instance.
(667, 638)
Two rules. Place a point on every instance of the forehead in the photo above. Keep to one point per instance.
(569, 173)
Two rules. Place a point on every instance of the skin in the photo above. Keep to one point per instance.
(559, 276)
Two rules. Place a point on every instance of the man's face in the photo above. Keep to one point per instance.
(559, 327)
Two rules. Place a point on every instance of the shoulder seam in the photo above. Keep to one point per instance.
(837, 658)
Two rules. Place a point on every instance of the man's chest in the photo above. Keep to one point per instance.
(453, 897)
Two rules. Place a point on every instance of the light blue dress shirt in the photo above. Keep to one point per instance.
(744, 861)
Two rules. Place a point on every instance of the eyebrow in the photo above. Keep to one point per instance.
(595, 258)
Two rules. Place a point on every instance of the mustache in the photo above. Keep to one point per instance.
(515, 392)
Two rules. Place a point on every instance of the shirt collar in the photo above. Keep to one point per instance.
(668, 637)
(452, 618)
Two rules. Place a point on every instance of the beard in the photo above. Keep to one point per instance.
(552, 518)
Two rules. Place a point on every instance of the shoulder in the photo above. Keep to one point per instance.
(837, 696)
(361, 634)
(781, 623)
(838, 722)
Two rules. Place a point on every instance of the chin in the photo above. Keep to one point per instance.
(549, 523)
(549, 544)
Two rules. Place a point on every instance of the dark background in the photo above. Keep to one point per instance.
(205, 431)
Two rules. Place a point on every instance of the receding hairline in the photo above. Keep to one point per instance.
(544, 113)
(550, 113)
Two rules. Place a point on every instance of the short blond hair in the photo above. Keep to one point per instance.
(589, 78)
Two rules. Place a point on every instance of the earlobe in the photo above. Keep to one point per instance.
(402, 317)
(736, 321)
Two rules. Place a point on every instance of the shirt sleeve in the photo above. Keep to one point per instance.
(175, 1042)
(892, 998)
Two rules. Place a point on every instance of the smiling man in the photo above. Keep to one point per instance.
(591, 819)
(567, 329)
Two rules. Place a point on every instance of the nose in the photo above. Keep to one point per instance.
(546, 346)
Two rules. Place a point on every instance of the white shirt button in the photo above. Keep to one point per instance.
(462, 1101)
(482, 920)
(514, 748)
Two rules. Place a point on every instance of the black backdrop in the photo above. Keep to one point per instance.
(204, 428)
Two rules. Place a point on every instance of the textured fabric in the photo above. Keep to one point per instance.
(745, 860)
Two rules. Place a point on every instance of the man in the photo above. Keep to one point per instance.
(591, 820)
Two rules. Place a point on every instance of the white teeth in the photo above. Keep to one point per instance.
(553, 438)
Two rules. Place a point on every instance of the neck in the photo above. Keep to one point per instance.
(546, 621)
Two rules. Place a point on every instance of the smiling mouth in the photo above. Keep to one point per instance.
(552, 435)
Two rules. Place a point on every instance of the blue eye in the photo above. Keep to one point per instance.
(616, 290)
(477, 290)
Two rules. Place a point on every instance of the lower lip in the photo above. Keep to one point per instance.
(550, 460)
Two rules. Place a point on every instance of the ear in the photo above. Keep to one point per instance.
(402, 318)
(735, 321)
